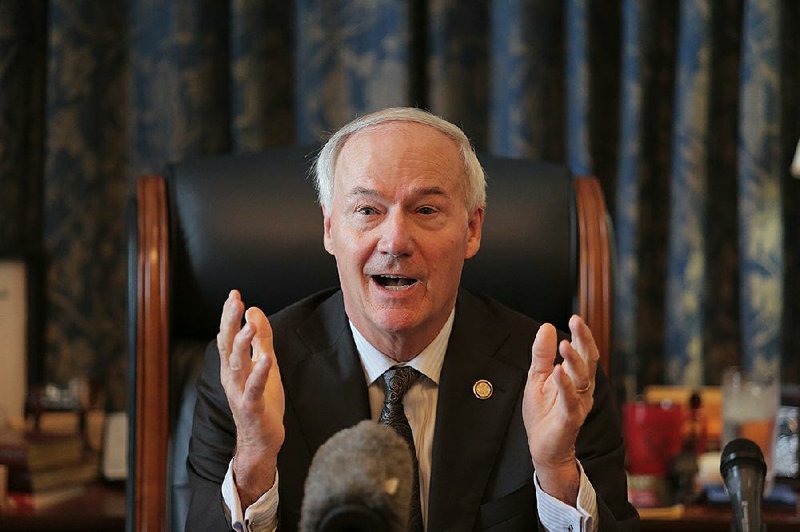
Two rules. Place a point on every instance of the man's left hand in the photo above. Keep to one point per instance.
(557, 399)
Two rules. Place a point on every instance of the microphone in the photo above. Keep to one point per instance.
(360, 480)
(743, 468)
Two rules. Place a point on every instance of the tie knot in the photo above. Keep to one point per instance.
(397, 381)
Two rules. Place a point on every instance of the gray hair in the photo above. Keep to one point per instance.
(322, 170)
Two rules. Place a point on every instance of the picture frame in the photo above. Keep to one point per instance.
(787, 436)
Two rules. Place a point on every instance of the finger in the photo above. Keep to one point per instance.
(238, 364)
(230, 322)
(581, 374)
(584, 344)
(233, 305)
(568, 397)
(574, 365)
(257, 380)
(543, 353)
(262, 341)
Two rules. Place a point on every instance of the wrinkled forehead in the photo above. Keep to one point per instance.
(416, 149)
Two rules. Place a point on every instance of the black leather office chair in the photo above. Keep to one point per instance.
(251, 222)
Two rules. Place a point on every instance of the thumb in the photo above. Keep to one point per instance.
(262, 341)
(543, 353)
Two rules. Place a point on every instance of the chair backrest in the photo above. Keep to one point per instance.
(251, 222)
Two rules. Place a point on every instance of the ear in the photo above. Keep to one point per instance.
(475, 226)
(327, 238)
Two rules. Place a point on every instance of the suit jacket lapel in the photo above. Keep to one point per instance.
(469, 431)
(327, 387)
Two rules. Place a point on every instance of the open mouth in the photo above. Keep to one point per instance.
(394, 282)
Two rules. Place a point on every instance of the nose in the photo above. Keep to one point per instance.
(396, 238)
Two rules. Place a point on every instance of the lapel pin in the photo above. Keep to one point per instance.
(482, 389)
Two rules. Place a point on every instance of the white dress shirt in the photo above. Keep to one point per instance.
(419, 404)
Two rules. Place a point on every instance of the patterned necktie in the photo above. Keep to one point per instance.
(396, 382)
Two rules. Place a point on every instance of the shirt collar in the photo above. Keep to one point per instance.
(428, 362)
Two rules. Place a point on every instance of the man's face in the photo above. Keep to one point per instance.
(400, 231)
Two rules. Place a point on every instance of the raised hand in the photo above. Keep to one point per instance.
(252, 382)
(556, 402)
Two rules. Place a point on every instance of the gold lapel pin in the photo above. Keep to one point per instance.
(482, 389)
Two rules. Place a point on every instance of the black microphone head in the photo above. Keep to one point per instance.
(359, 480)
(742, 452)
(743, 469)
(351, 518)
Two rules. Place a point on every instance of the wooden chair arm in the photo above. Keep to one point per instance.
(594, 274)
(152, 356)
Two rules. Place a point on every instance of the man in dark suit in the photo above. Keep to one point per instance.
(513, 427)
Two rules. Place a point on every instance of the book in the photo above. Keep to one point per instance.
(37, 450)
(3, 486)
(115, 463)
(69, 422)
(38, 501)
(35, 480)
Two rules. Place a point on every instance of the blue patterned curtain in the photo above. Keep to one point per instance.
(351, 56)
(84, 187)
(577, 87)
(761, 167)
(687, 112)
(686, 276)
(631, 179)
(261, 88)
(526, 80)
(457, 63)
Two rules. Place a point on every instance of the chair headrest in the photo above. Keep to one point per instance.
(252, 222)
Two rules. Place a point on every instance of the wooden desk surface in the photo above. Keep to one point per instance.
(718, 518)
(100, 509)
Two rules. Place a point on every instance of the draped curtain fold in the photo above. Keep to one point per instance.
(687, 111)
(761, 166)
(686, 271)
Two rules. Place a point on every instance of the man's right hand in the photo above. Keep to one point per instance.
(255, 395)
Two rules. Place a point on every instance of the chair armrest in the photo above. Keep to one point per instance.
(594, 272)
(151, 424)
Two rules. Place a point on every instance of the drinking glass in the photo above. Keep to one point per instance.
(749, 410)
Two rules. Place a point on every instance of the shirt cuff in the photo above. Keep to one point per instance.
(261, 516)
(557, 515)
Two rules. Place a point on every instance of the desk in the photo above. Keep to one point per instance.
(100, 509)
(717, 518)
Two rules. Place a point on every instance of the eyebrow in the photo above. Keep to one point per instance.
(425, 191)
